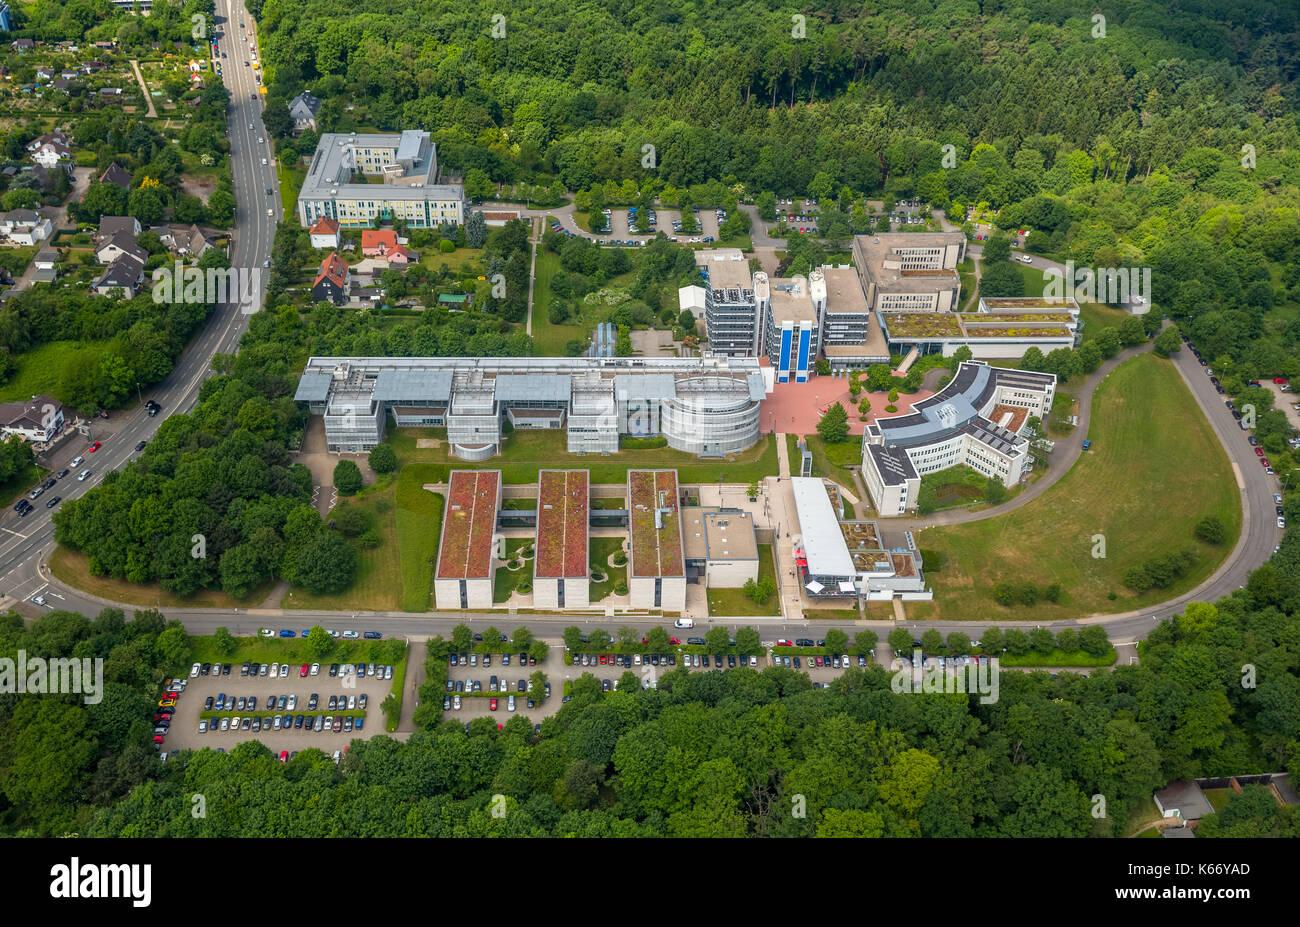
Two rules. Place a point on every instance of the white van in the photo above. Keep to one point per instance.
(683, 623)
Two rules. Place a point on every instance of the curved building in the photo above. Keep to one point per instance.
(710, 416)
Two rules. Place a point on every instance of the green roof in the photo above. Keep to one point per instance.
(453, 297)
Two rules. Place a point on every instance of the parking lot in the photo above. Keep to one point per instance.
(184, 732)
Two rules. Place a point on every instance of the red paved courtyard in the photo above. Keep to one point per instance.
(796, 408)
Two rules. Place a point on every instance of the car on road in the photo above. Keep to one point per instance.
(23, 508)
(269, 192)
(372, 635)
(94, 447)
(285, 632)
(62, 473)
(350, 635)
(1277, 498)
(1281, 522)
(83, 475)
(1026, 259)
(1259, 452)
(141, 446)
(76, 461)
(266, 632)
(1253, 440)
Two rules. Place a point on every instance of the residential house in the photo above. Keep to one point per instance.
(122, 243)
(44, 73)
(303, 109)
(25, 227)
(111, 225)
(44, 262)
(50, 149)
(117, 175)
(332, 282)
(22, 45)
(93, 67)
(110, 91)
(325, 233)
(38, 419)
(383, 243)
(189, 240)
(125, 273)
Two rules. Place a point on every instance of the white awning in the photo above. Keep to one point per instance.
(814, 587)
(848, 587)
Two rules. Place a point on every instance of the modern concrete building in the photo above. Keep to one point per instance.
(1001, 328)
(657, 573)
(849, 559)
(910, 271)
(975, 420)
(408, 165)
(560, 566)
(791, 324)
(467, 557)
(852, 338)
(705, 406)
(730, 310)
(720, 546)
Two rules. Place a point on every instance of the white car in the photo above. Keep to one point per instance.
(1277, 500)
(250, 125)
(332, 633)
(315, 669)
(266, 632)
(293, 703)
(194, 670)
(264, 161)
(351, 635)
(284, 670)
(275, 671)
(82, 475)
(76, 461)
(1281, 522)
(203, 727)
(225, 724)
(1026, 259)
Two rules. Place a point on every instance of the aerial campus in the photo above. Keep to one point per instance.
(533, 371)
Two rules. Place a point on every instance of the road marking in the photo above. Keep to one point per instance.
(12, 531)
(1236, 471)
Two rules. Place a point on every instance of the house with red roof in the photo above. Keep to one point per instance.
(383, 243)
(332, 281)
(325, 233)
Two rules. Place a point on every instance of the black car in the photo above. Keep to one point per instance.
(333, 703)
(254, 669)
(731, 659)
(672, 660)
(604, 685)
(372, 635)
(225, 670)
(207, 703)
(704, 660)
(460, 685)
(252, 703)
(140, 447)
(797, 664)
(523, 685)
(49, 484)
(1279, 510)
(804, 642)
(205, 669)
(334, 669)
(478, 637)
(313, 701)
(821, 643)
(268, 191)
(297, 722)
(53, 502)
(62, 473)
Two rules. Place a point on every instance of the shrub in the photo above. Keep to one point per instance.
(446, 247)
(1210, 529)
(383, 459)
(620, 588)
(347, 477)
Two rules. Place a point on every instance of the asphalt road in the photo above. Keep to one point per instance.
(23, 541)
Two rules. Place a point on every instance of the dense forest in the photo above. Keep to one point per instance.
(722, 753)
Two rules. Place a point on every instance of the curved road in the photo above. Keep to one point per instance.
(23, 540)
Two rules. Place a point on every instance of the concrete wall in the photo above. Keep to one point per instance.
(577, 593)
(478, 592)
(642, 591)
(546, 593)
(730, 574)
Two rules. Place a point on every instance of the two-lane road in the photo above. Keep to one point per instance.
(22, 540)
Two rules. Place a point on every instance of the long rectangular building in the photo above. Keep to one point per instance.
(657, 573)
(560, 567)
(466, 558)
(705, 406)
(406, 162)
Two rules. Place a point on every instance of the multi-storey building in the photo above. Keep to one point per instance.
(975, 420)
(791, 325)
(910, 271)
(407, 163)
(730, 310)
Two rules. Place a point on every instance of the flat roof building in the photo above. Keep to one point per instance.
(730, 310)
(791, 323)
(705, 406)
(466, 556)
(975, 420)
(560, 567)
(407, 163)
(657, 573)
(720, 545)
(910, 271)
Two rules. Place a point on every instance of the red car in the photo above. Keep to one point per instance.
(674, 640)
(94, 447)
(784, 643)
(1264, 461)
(493, 705)
(1259, 452)
(157, 738)
(602, 659)
(303, 672)
(284, 756)
(1279, 379)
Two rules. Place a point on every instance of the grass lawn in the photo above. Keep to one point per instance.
(969, 289)
(549, 340)
(1063, 406)
(1130, 489)
(734, 602)
(73, 568)
(1033, 277)
(601, 550)
(527, 452)
(290, 183)
(828, 460)
(506, 580)
(1218, 798)
(836, 614)
(1096, 316)
(378, 582)
(40, 370)
(419, 523)
(203, 649)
